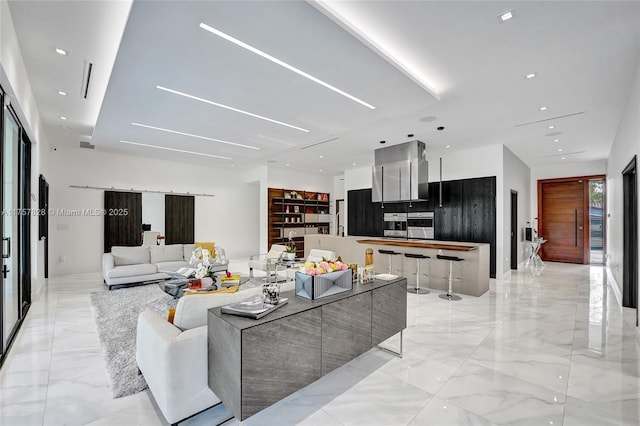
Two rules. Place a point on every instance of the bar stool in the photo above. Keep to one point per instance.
(390, 253)
(449, 295)
(417, 289)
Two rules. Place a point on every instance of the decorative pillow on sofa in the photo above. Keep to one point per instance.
(209, 246)
(172, 252)
(129, 255)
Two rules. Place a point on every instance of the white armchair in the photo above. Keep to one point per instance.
(173, 357)
(263, 262)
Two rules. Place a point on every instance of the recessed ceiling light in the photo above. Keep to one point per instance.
(61, 51)
(563, 158)
(287, 164)
(530, 75)
(320, 169)
(353, 164)
(281, 63)
(556, 140)
(447, 146)
(559, 149)
(175, 150)
(207, 101)
(551, 127)
(62, 117)
(195, 136)
(543, 108)
(505, 16)
(428, 119)
(61, 93)
(322, 156)
(383, 142)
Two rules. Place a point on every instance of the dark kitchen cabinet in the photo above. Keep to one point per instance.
(448, 218)
(479, 214)
(364, 217)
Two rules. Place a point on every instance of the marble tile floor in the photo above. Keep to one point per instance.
(551, 350)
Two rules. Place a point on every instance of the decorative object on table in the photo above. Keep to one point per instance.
(254, 307)
(290, 251)
(368, 257)
(354, 272)
(366, 274)
(205, 264)
(320, 279)
(271, 293)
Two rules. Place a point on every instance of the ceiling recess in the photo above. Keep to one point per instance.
(319, 143)
(550, 118)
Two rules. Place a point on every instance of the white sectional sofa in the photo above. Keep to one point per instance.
(173, 357)
(129, 265)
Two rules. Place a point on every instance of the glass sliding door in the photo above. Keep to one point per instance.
(11, 291)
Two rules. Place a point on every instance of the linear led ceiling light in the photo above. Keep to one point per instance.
(281, 63)
(175, 150)
(194, 136)
(206, 101)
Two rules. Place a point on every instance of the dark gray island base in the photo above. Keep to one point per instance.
(255, 363)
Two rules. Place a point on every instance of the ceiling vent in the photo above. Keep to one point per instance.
(86, 79)
(549, 119)
(86, 145)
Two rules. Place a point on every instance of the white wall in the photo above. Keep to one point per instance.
(516, 177)
(15, 81)
(626, 144)
(231, 218)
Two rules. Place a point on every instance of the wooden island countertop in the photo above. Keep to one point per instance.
(420, 244)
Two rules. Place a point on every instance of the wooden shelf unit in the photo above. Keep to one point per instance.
(298, 211)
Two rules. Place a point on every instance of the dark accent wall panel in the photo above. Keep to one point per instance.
(122, 229)
(179, 219)
(479, 214)
(364, 217)
(448, 218)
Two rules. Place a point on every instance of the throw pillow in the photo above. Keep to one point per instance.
(207, 245)
(172, 314)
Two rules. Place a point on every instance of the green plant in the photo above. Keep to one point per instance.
(290, 249)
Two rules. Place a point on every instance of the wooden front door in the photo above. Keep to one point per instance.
(563, 219)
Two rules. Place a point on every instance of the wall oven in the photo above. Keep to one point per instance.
(420, 225)
(395, 225)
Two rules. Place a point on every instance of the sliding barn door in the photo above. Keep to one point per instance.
(123, 219)
(179, 219)
(563, 215)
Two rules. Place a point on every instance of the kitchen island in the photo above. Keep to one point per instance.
(473, 272)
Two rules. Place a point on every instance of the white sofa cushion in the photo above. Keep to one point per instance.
(168, 253)
(132, 270)
(130, 255)
(173, 265)
(191, 311)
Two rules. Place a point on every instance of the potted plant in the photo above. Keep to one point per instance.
(290, 252)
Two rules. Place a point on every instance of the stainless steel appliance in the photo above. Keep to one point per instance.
(395, 225)
(401, 173)
(420, 225)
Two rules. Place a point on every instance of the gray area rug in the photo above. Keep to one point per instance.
(116, 313)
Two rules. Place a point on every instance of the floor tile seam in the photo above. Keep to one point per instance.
(53, 332)
(421, 408)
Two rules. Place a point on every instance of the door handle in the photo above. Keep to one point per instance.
(5, 271)
(575, 226)
(7, 254)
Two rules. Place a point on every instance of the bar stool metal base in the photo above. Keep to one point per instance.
(448, 296)
(417, 290)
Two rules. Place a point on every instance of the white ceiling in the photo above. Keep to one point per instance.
(585, 55)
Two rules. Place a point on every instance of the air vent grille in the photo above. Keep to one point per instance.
(86, 79)
(86, 145)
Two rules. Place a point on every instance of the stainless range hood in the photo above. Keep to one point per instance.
(401, 173)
